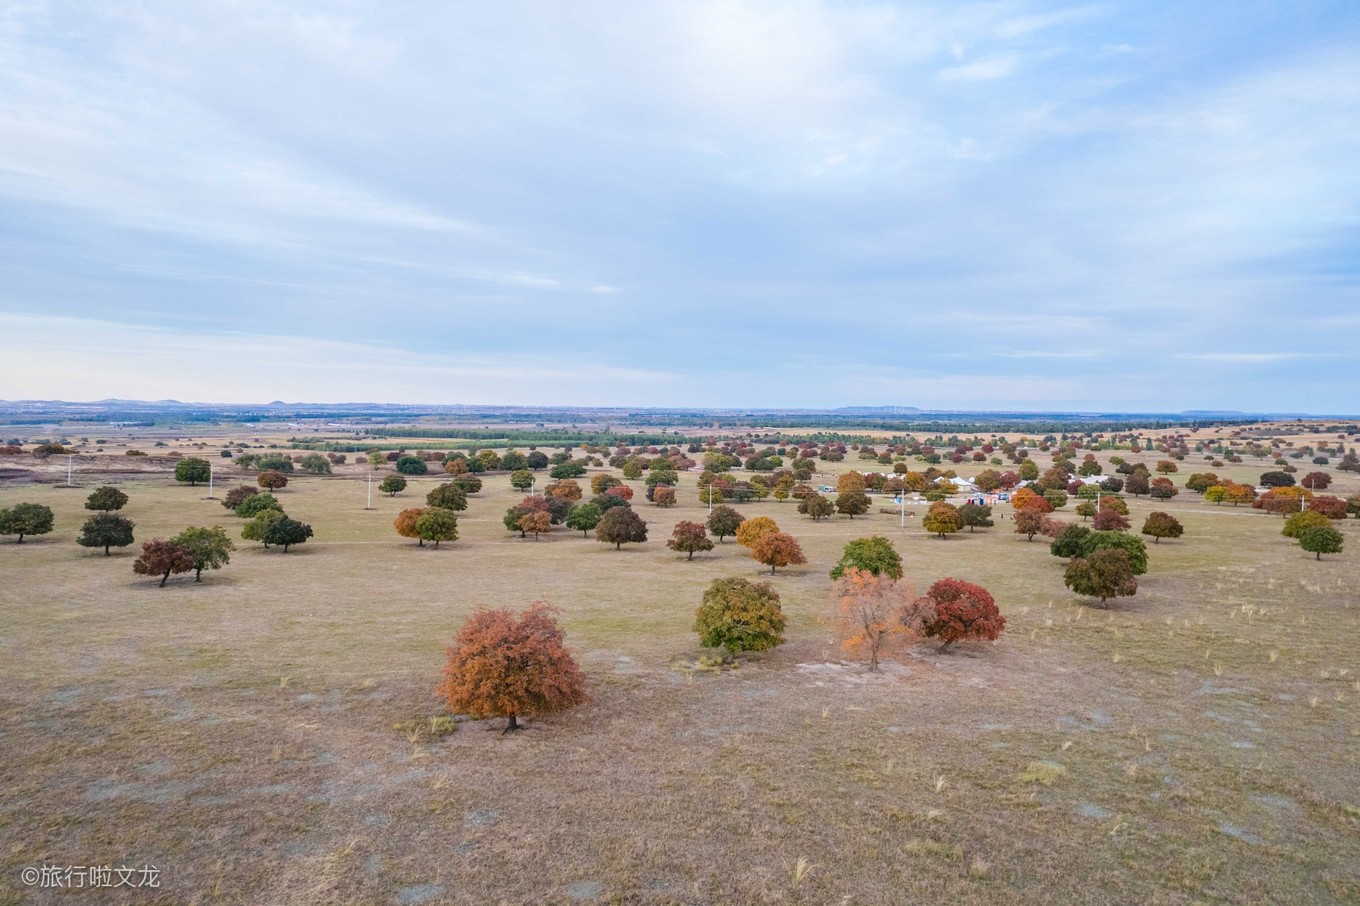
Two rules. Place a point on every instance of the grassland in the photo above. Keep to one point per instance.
(1197, 743)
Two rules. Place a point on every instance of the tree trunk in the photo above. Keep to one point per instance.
(618, 546)
(1319, 555)
(772, 570)
(165, 578)
(945, 646)
(198, 574)
(21, 538)
(106, 550)
(511, 725)
(691, 556)
(285, 548)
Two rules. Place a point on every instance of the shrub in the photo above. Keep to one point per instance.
(411, 465)
(738, 615)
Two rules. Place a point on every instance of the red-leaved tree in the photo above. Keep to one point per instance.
(960, 611)
(501, 665)
(161, 558)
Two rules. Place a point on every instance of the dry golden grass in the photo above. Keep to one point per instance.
(1197, 742)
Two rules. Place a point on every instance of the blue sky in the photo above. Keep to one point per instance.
(1015, 205)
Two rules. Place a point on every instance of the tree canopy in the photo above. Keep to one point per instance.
(740, 616)
(875, 555)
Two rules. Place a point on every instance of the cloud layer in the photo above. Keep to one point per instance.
(995, 205)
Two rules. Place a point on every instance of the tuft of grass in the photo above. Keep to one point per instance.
(1044, 772)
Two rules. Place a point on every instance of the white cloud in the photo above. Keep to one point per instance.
(990, 69)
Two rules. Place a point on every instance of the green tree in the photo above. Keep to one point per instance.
(106, 499)
(621, 526)
(257, 529)
(816, 506)
(275, 462)
(437, 524)
(316, 464)
(584, 517)
(632, 470)
(724, 521)
(411, 465)
(1103, 574)
(514, 461)
(468, 484)
(572, 468)
(106, 530)
(976, 515)
(1132, 546)
(26, 519)
(210, 548)
(852, 503)
(1068, 542)
(1296, 524)
(287, 532)
(192, 470)
(874, 555)
(237, 496)
(942, 519)
(536, 460)
(521, 479)
(740, 616)
(392, 485)
(375, 458)
(258, 503)
(447, 496)
(1321, 539)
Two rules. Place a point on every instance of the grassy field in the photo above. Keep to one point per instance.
(1195, 743)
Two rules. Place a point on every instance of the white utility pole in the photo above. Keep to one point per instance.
(69, 460)
(210, 481)
(902, 508)
(710, 498)
(370, 492)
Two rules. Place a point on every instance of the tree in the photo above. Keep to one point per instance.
(873, 616)
(724, 521)
(316, 464)
(1108, 520)
(1295, 525)
(535, 523)
(456, 465)
(536, 460)
(621, 526)
(752, 530)
(161, 558)
(514, 461)
(607, 502)
(447, 496)
(874, 555)
(988, 480)
(1102, 574)
(287, 532)
(192, 470)
(106, 499)
(1316, 481)
(689, 537)
(375, 458)
(1133, 547)
(468, 484)
(1137, 485)
(503, 666)
(210, 548)
(405, 524)
(777, 549)
(976, 515)
(740, 616)
(521, 479)
(237, 496)
(958, 611)
(272, 480)
(564, 488)
(1029, 522)
(572, 468)
(663, 495)
(1068, 542)
(852, 503)
(942, 519)
(106, 530)
(275, 462)
(850, 481)
(411, 465)
(603, 482)
(584, 517)
(1166, 466)
(392, 485)
(621, 491)
(816, 506)
(437, 524)
(1321, 539)
(632, 470)
(1276, 480)
(255, 529)
(1331, 507)
(1161, 525)
(26, 519)
(256, 504)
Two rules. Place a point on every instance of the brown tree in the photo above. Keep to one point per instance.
(564, 488)
(689, 537)
(405, 523)
(663, 495)
(1162, 525)
(535, 523)
(621, 526)
(161, 558)
(1029, 522)
(501, 665)
(272, 481)
(1108, 520)
(777, 549)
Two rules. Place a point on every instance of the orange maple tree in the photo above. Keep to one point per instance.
(752, 530)
(874, 616)
(777, 549)
(501, 665)
(405, 523)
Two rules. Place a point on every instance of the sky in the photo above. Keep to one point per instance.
(1005, 205)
